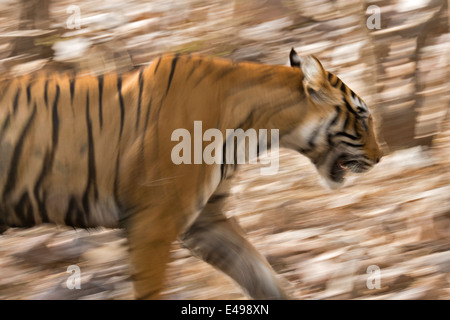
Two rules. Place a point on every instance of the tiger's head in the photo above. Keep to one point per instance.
(337, 133)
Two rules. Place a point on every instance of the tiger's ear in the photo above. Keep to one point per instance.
(315, 82)
(294, 58)
(314, 75)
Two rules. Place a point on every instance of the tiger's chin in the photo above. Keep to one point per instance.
(333, 174)
(328, 183)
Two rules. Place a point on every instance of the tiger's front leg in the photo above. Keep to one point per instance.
(150, 235)
(220, 242)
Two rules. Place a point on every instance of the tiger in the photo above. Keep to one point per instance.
(89, 151)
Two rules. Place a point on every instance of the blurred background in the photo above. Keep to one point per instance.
(394, 219)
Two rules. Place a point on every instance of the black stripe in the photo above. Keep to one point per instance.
(172, 70)
(345, 134)
(116, 183)
(334, 80)
(191, 72)
(147, 116)
(100, 100)
(157, 65)
(257, 147)
(336, 118)
(330, 76)
(338, 83)
(74, 215)
(48, 160)
(343, 88)
(47, 164)
(91, 178)
(5, 126)
(330, 139)
(224, 73)
(349, 108)
(222, 166)
(352, 144)
(72, 88)
(122, 108)
(138, 113)
(55, 119)
(29, 93)
(46, 93)
(16, 101)
(226, 165)
(14, 165)
(360, 110)
(24, 211)
(69, 213)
